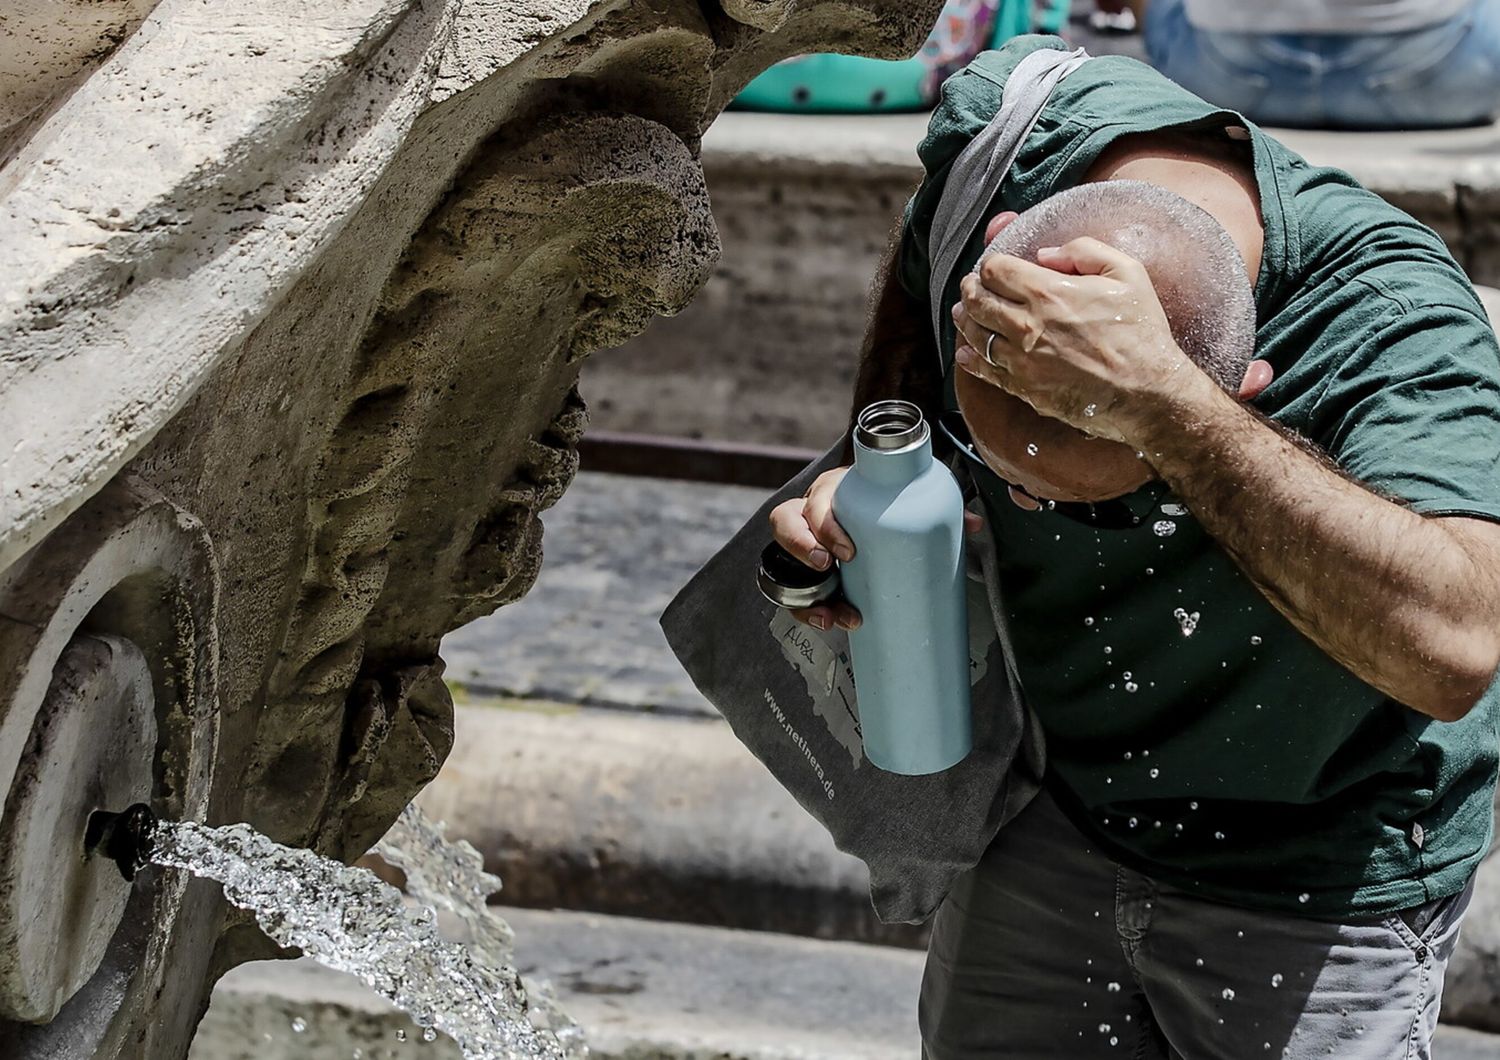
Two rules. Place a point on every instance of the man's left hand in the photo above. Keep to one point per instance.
(1080, 336)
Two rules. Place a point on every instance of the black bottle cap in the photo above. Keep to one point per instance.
(788, 582)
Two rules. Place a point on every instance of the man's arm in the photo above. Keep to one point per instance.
(1409, 604)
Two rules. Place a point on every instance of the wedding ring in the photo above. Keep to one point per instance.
(987, 342)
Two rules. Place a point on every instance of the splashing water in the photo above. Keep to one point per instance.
(1174, 509)
(347, 919)
(1164, 528)
(450, 875)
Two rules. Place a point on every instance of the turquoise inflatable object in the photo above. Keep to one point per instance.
(853, 84)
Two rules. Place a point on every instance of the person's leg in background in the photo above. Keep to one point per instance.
(1258, 76)
(1439, 76)
(1442, 76)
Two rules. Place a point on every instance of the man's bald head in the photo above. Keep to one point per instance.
(1194, 266)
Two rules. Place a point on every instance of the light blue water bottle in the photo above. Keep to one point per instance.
(904, 512)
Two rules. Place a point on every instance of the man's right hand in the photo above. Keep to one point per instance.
(806, 528)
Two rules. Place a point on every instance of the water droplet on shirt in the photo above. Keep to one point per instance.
(1179, 826)
(1089, 621)
(1031, 449)
(1104, 1028)
(1131, 686)
(299, 1025)
(400, 1034)
(1155, 772)
(1113, 988)
(1150, 570)
(1107, 649)
(1114, 1040)
(1186, 621)
(1173, 509)
(429, 1035)
(1255, 640)
(1134, 821)
(1276, 980)
(1218, 835)
(1199, 962)
(1303, 897)
(1192, 805)
(1128, 756)
(1228, 994)
(1164, 528)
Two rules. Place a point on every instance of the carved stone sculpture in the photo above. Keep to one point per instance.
(293, 299)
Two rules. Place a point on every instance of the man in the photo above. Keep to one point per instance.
(1263, 657)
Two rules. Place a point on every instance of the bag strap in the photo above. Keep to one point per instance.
(979, 169)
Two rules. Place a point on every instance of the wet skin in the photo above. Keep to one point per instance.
(1070, 464)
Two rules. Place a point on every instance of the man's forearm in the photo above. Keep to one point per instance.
(1398, 599)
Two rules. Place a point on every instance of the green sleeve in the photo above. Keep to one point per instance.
(970, 98)
(1414, 413)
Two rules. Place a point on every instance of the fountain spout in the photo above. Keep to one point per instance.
(125, 838)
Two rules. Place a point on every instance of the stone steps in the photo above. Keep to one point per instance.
(645, 815)
(642, 990)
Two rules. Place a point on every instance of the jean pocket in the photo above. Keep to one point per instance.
(1431, 925)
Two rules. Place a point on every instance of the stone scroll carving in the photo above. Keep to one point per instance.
(306, 288)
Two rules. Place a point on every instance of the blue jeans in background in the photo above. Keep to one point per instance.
(1435, 77)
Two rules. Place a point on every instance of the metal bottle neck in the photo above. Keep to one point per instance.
(887, 426)
(892, 442)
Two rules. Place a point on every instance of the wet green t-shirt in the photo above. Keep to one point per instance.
(1191, 730)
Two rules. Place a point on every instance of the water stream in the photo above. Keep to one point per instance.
(349, 920)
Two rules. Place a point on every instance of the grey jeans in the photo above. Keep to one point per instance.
(1047, 949)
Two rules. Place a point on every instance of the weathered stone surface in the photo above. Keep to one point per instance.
(618, 549)
(47, 47)
(314, 285)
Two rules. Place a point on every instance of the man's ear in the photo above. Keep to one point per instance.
(997, 225)
(1258, 376)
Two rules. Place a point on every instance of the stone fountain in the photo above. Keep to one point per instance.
(293, 301)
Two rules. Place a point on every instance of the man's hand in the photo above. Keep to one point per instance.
(806, 528)
(1079, 336)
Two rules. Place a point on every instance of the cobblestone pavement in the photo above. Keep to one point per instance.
(617, 549)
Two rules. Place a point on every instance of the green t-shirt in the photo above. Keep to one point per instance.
(1240, 761)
